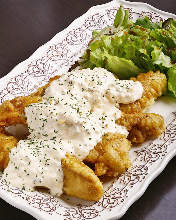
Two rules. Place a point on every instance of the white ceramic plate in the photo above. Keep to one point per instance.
(54, 58)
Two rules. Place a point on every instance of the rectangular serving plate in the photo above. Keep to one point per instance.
(55, 58)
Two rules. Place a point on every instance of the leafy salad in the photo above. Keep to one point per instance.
(128, 48)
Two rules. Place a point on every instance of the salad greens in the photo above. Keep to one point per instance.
(128, 48)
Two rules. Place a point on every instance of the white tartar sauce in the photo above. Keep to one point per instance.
(76, 110)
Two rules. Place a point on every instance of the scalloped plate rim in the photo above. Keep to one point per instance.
(34, 212)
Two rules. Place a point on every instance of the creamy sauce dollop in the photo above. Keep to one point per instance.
(75, 112)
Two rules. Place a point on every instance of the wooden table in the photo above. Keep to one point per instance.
(24, 26)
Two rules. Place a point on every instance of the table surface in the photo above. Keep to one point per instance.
(24, 26)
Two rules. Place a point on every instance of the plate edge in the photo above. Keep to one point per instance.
(38, 51)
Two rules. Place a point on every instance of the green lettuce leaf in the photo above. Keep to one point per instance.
(121, 18)
(172, 80)
(172, 54)
(146, 23)
(164, 36)
(159, 58)
(122, 67)
(170, 24)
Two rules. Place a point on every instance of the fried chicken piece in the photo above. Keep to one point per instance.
(154, 85)
(111, 156)
(7, 142)
(80, 180)
(142, 126)
(12, 111)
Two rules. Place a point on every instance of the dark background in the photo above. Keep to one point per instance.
(27, 24)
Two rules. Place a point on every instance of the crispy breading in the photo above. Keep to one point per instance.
(110, 157)
(7, 142)
(80, 180)
(154, 85)
(142, 126)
